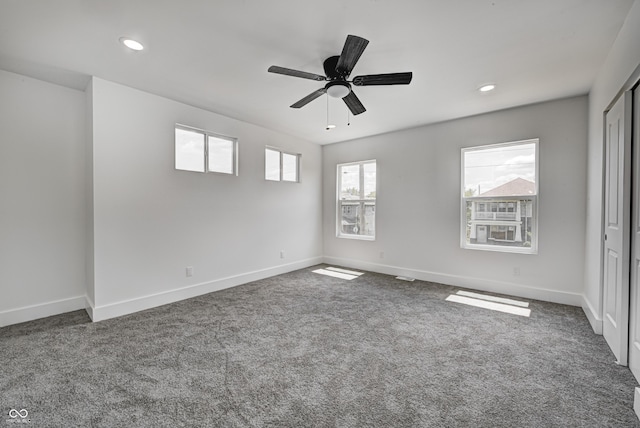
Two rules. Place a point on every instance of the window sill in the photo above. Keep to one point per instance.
(357, 237)
(500, 249)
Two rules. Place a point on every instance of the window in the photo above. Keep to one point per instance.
(272, 165)
(500, 196)
(281, 166)
(221, 154)
(203, 151)
(190, 150)
(357, 200)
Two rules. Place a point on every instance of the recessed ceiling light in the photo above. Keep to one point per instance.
(330, 127)
(488, 87)
(131, 44)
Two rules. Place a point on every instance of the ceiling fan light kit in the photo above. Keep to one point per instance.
(337, 70)
(337, 89)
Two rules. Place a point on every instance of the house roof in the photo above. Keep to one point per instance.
(516, 187)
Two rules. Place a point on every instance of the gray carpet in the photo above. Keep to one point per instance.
(305, 350)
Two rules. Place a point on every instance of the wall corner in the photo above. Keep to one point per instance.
(594, 318)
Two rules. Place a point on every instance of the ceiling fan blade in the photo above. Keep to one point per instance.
(383, 79)
(353, 48)
(295, 73)
(306, 100)
(354, 104)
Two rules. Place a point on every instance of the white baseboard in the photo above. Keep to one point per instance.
(112, 310)
(592, 316)
(104, 312)
(41, 310)
(511, 289)
(88, 306)
(636, 402)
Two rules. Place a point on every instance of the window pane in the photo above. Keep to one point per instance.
(221, 155)
(369, 220)
(356, 200)
(369, 180)
(508, 170)
(499, 194)
(513, 228)
(289, 167)
(350, 219)
(350, 182)
(272, 165)
(189, 150)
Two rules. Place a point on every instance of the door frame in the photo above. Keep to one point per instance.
(619, 336)
(629, 86)
(634, 305)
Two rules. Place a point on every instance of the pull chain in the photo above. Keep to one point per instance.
(329, 126)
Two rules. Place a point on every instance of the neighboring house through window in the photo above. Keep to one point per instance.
(499, 197)
(357, 200)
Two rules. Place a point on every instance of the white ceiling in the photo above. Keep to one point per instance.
(214, 54)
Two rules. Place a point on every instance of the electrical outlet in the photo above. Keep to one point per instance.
(282, 254)
(382, 254)
(516, 271)
(189, 270)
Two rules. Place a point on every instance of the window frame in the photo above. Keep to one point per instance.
(362, 202)
(491, 202)
(207, 134)
(281, 173)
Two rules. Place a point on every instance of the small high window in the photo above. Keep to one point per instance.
(357, 200)
(500, 196)
(281, 166)
(202, 151)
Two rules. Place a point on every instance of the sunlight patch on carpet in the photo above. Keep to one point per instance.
(350, 272)
(511, 302)
(338, 273)
(492, 305)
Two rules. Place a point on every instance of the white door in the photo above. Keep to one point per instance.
(617, 209)
(634, 307)
(482, 235)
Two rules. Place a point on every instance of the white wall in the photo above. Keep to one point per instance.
(622, 60)
(418, 205)
(42, 212)
(151, 221)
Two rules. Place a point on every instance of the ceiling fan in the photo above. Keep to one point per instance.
(337, 70)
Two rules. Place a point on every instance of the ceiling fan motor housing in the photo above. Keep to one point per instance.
(330, 70)
(337, 87)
